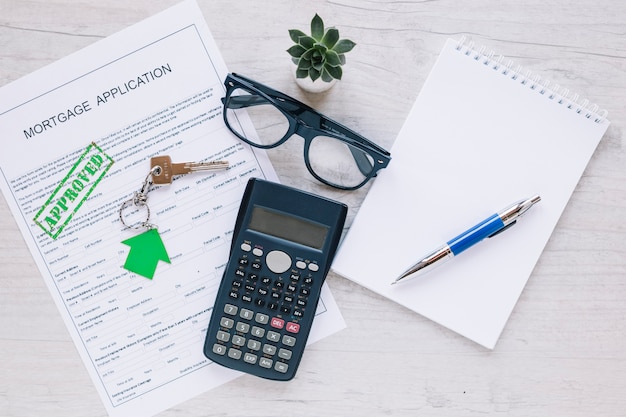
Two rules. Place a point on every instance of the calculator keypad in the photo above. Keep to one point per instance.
(260, 324)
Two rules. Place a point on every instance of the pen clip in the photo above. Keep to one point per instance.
(503, 229)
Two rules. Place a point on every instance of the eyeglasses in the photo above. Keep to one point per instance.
(334, 154)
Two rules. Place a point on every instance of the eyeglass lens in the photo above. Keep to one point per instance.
(332, 160)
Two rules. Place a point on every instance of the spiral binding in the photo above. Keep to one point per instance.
(533, 81)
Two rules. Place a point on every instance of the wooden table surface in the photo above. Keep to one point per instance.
(563, 351)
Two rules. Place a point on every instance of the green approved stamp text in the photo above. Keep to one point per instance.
(72, 192)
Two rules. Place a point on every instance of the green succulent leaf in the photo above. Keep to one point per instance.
(335, 72)
(314, 74)
(332, 58)
(296, 34)
(304, 64)
(343, 46)
(296, 51)
(317, 27)
(308, 54)
(330, 38)
(326, 77)
(321, 48)
(306, 41)
(318, 65)
(302, 73)
(320, 54)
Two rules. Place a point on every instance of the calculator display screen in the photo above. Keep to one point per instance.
(288, 227)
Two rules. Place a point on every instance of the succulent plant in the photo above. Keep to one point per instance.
(321, 54)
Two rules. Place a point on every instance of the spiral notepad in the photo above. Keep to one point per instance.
(481, 135)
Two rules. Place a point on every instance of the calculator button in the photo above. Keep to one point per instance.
(257, 252)
(239, 340)
(254, 344)
(256, 265)
(258, 331)
(301, 264)
(234, 295)
(262, 318)
(298, 313)
(288, 341)
(230, 309)
(234, 353)
(272, 306)
(277, 323)
(246, 247)
(269, 350)
(278, 261)
(240, 273)
(273, 336)
(243, 327)
(285, 309)
(246, 298)
(227, 323)
(284, 353)
(281, 367)
(249, 358)
(243, 261)
(246, 314)
(293, 327)
(219, 349)
(265, 363)
(314, 267)
(223, 336)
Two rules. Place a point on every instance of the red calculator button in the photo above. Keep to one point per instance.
(293, 327)
(277, 323)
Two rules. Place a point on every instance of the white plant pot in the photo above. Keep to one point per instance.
(317, 86)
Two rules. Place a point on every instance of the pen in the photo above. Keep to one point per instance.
(489, 227)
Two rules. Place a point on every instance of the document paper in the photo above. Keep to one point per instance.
(478, 138)
(152, 89)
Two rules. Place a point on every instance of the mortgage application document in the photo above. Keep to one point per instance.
(77, 138)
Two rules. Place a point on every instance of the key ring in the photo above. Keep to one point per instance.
(140, 200)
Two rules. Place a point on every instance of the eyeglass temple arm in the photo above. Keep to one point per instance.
(240, 102)
(360, 157)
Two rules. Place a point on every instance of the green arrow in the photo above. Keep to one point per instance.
(146, 250)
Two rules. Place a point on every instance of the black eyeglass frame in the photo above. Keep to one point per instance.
(304, 121)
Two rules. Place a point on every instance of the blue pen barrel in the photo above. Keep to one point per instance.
(477, 233)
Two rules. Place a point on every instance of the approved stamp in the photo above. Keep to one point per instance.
(72, 192)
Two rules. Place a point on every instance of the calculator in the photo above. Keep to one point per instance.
(283, 244)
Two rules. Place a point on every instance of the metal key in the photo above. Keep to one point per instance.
(163, 169)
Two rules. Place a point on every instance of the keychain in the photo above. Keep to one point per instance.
(147, 248)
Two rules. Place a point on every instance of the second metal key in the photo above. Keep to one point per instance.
(163, 169)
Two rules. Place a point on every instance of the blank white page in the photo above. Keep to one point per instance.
(478, 138)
